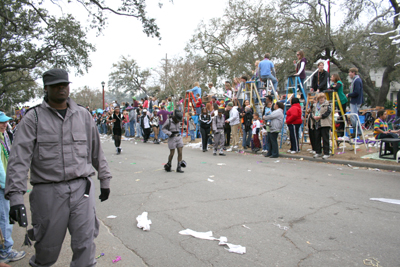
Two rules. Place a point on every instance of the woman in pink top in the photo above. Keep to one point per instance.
(146, 103)
(126, 124)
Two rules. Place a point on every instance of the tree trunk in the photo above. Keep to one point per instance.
(382, 97)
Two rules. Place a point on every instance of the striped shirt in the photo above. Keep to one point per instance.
(379, 124)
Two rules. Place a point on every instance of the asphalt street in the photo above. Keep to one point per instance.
(285, 212)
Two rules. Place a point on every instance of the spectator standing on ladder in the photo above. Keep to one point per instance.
(195, 90)
(320, 79)
(357, 98)
(267, 71)
(301, 66)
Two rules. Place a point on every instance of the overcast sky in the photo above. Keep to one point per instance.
(124, 36)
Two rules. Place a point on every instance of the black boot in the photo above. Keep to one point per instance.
(178, 168)
(167, 166)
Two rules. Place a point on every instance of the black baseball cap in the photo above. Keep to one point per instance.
(55, 76)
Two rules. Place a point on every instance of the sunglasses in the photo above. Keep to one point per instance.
(297, 54)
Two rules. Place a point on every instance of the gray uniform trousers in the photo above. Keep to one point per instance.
(219, 141)
(57, 207)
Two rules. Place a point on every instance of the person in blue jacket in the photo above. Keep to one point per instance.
(7, 253)
(195, 90)
(356, 98)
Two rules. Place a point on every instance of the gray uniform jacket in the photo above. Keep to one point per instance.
(55, 149)
(218, 124)
(170, 127)
(276, 118)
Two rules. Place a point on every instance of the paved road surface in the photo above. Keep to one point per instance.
(296, 213)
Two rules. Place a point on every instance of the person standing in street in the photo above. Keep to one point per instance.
(218, 130)
(172, 129)
(234, 122)
(357, 98)
(132, 121)
(116, 119)
(59, 143)
(163, 114)
(7, 253)
(205, 127)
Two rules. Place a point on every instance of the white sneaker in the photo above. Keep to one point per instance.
(235, 147)
(317, 155)
(229, 149)
(312, 152)
(326, 157)
(289, 151)
(294, 152)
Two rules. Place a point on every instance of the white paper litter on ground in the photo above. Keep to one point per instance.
(143, 222)
(201, 235)
(231, 247)
(111, 217)
(222, 240)
(210, 180)
(387, 200)
(245, 226)
(276, 161)
(285, 228)
(211, 176)
(194, 145)
(221, 164)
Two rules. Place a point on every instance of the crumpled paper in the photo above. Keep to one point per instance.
(201, 235)
(231, 247)
(143, 222)
(387, 200)
(222, 240)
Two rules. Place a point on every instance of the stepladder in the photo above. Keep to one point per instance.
(250, 93)
(188, 106)
(333, 97)
(293, 84)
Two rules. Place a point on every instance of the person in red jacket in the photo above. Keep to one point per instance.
(294, 121)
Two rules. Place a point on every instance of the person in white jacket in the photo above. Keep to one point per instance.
(234, 122)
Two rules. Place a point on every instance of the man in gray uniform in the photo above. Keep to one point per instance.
(58, 141)
(172, 128)
(218, 130)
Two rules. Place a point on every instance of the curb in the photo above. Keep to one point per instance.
(344, 162)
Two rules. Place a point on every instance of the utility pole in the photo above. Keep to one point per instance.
(166, 71)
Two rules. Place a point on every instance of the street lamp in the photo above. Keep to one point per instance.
(102, 84)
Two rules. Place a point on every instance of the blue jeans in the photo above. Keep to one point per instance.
(354, 122)
(273, 79)
(198, 111)
(104, 128)
(191, 133)
(246, 137)
(127, 132)
(5, 226)
(161, 134)
(100, 129)
(138, 130)
(132, 127)
(265, 142)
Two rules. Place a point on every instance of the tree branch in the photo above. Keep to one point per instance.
(112, 10)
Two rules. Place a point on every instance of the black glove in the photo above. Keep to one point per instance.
(104, 193)
(18, 214)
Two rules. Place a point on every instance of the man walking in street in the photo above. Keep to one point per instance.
(267, 71)
(58, 141)
(357, 98)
